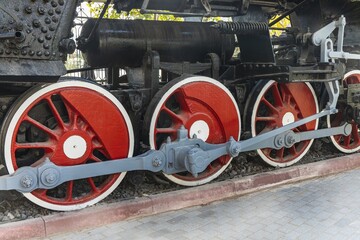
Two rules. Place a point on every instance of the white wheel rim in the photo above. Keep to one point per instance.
(27, 103)
(154, 119)
(253, 129)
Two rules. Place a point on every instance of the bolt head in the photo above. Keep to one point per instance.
(156, 162)
(236, 150)
(27, 181)
(50, 178)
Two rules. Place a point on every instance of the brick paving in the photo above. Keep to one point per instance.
(326, 208)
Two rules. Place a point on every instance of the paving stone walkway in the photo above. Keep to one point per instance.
(326, 208)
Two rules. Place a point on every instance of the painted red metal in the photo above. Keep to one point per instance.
(91, 117)
(277, 102)
(352, 142)
(199, 101)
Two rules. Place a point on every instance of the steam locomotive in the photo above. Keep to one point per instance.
(188, 102)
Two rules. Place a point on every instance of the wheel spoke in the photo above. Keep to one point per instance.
(293, 150)
(42, 127)
(286, 97)
(267, 151)
(265, 119)
(210, 167)
(265, 130)
(280, 154)
(41, 192)
(91, 134)
(165, 130)
(271, 107)
(94, 158)
(337, 138)
(277, 96)
(69, 191)
(38, 162)
(355, 133)
(174, 116)
(347, 140)
(297, 130)
(36, 145)
(73, 115)
(55, 112)
(92, 185)
(97, 145)
(182, 99)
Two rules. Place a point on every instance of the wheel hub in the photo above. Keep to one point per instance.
(201, 129)
(200, 124)
(74, 147)
(288, 118)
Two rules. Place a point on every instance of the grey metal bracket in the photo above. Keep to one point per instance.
(333, 90)
(206, 6)
(322, 38)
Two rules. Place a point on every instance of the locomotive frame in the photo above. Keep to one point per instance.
(61, 133)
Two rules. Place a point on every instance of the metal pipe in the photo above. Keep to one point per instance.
(123, 43)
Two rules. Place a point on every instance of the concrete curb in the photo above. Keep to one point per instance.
(106, 214)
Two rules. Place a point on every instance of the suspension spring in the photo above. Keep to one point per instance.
(242, 28)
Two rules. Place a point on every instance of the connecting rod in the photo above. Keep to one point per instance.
(184, 154)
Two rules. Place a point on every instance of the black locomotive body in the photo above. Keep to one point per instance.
(196, 94)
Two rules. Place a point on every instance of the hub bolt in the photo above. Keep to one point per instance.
(27, 181)
(156, 162)
(290, 140)
(236, 150)
(50, 178)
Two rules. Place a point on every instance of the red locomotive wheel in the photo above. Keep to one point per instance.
(71, 123)
(206, 108)
(272, 105)
(351, 143)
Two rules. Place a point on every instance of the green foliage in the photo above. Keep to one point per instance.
(284, 23)
(212, 19)
(95, 10)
